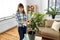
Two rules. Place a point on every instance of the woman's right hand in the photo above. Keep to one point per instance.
(21, 22)
(24, 22)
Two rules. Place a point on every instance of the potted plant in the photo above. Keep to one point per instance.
(52, 12)
(59, 29)
(35, 23)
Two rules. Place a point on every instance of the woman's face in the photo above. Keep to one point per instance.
(20, 9)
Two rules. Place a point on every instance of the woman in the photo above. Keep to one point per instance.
(21, 19)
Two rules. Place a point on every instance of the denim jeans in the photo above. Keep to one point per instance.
(22, 31)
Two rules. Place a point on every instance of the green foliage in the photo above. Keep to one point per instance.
(52, 11)
(36, 21)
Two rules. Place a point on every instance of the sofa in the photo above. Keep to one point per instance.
(47, 33)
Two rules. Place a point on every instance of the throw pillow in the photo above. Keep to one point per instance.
(56, 26)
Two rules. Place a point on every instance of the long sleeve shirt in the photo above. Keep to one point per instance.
(20, 17)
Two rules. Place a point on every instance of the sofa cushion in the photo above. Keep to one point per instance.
(56, 26)
(48, 23)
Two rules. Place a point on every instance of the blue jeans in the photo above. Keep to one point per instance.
(22, 31)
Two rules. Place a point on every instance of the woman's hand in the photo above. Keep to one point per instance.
(25, 22)
(21, 22)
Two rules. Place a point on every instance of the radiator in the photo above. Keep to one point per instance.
(7, 23)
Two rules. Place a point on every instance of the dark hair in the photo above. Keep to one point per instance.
(21, 5)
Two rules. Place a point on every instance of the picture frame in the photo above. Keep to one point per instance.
(31, 8)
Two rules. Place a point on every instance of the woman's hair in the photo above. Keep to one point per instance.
(21, 5)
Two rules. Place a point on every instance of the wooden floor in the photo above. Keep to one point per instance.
(11, 34)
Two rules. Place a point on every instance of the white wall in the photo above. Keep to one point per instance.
(44, 5)
(41, 4)
(9, 7)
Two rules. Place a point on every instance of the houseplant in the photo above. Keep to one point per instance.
(52, 12)
(35, 22)
(59, 29)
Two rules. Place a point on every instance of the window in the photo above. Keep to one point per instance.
(58, 5)
(54, 3)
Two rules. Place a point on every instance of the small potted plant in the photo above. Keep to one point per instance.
(35, 22)
(52, 12)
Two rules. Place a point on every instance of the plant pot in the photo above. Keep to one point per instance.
(59, 29)
(31, 35)
(53, 16)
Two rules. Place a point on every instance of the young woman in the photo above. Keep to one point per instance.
(21, 19)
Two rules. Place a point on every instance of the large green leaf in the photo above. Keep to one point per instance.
(36, 20)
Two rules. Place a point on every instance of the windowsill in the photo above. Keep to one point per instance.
(57, 17)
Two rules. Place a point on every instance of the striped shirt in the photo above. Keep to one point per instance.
(20, 17)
